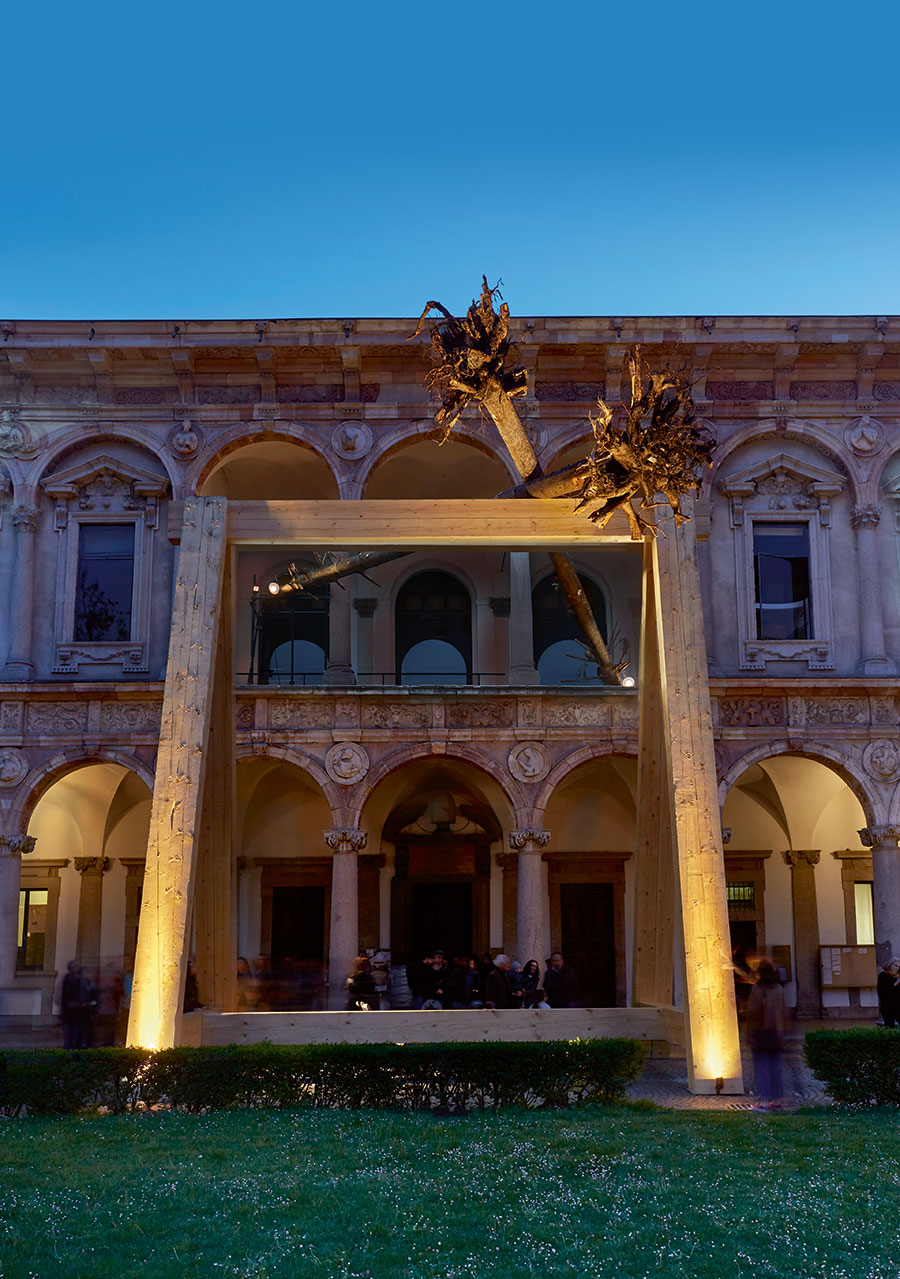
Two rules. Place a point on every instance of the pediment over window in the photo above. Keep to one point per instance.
(105, 484)
(782, 483)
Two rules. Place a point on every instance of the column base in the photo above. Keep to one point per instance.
(342, 675)
(523, 674)
(19, 672)
(876, 666)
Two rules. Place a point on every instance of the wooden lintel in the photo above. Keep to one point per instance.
(550, 524)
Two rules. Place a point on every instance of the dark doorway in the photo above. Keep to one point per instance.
(298, 925)
(588, 940)
(441, 919)
(743, 948)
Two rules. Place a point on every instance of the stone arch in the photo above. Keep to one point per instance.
(568, 765)
(847, 770)
(300, 760)
(245, 435)
(76, 440)
(458, 751)
(801, 432)
(572, 435)
(393, 445)
(43, 776)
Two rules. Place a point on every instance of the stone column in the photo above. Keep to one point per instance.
(343, 944)
(11, 849)
(87, 944)
(365, 606)
(339, 669)
(803, 862)
(885, 888)
(19, 665)
(509, 864)
(873, 659)
(533, 937)
(521, 629)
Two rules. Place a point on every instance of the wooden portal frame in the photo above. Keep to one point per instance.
(679, 862)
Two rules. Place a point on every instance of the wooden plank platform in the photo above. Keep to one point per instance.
(389, 525)
(509, 1025)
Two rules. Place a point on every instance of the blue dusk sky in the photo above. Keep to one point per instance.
(273, 160)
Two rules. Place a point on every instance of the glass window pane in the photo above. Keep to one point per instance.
(865, 920)
(781, 572)
(32, 927)
(105, 582)
(433, 662)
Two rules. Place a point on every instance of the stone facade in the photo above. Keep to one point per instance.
(503, 763)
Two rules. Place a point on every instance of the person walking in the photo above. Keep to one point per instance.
(765, 1026)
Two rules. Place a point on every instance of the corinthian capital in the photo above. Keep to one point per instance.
(346, 841)
(16, 845)
(25, 518)
(880, 836)
(802, 856)
(865, 516)
(528, 840)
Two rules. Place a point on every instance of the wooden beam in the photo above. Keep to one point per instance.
(548, 524)
(711, 1031)
(176, 812)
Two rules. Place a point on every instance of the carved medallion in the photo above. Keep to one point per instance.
(185, 439)
(346, 763)
(528, 761)
(16, 439)
(351, 440)
(864, 436)
(13, 766)
(881, 760)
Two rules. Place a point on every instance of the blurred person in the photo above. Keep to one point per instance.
(361, 993)
(765, 1028)
(515, 984)
(531, 980)
(78, 999)
(496, 986)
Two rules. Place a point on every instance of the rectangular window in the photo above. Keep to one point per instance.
(865, 921)
(32, 934)
(743, 896)
(781, 572)
(105, 582)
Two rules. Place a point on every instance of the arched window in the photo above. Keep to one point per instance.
(433, 631)
(289, 642)
(560, 653)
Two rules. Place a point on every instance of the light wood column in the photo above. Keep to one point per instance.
(215, 922)
(803, 862)
(711, 1030)
(11, 849)
(533, 925)
(343, 944)
(885, 888)
(653, 952)
(176, 813)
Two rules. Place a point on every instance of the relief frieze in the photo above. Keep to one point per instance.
(243, 716)
(130, 717)
(480, 715)
(837, 710)
(395, 715)
(56, 717)
(291, 713)
(591, 714)
(751, 712)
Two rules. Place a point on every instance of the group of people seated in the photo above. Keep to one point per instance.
(498, 982)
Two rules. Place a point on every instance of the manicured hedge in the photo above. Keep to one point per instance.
(859, 1067)
(441, 1077)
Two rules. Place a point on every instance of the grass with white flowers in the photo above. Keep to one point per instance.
(269, 1194)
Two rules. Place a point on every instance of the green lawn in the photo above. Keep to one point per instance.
(598, 1192)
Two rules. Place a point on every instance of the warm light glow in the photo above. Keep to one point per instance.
(274, 588)
(628, 681)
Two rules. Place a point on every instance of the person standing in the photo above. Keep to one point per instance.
(560, 983)
(765, 1027)
(496, 986)
(888, 987)
(78, 1000)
